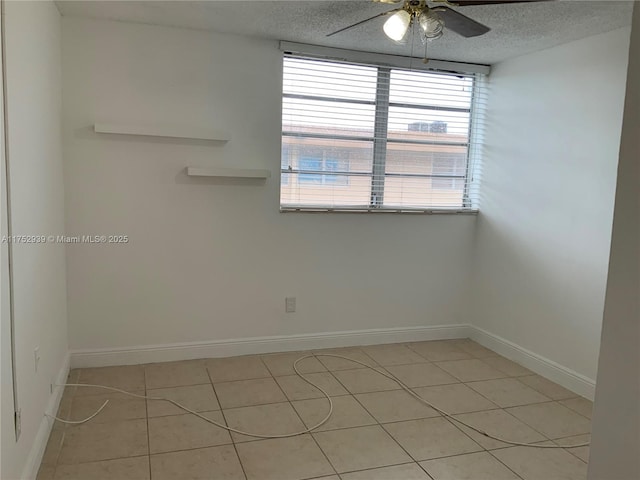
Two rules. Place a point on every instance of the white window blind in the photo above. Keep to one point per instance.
(377, 138)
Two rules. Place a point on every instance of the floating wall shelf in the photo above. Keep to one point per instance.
(162, 131)
(227, 172)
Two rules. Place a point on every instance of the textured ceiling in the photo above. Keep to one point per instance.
(516, 29)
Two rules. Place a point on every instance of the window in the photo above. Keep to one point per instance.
(375, 138)
(316, 164)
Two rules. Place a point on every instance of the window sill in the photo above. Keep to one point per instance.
(427, 211)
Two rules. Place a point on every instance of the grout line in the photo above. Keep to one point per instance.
(409, 346)
(164, 452)
(506, 466)
(517, 419)
(314, 439)
(534, 428)
(425, 470)
(380, 426)
(353, 395)
(102, 460)
(383, 466)
(370, 414)
(224, 418)
(146, 410)
(505, 409)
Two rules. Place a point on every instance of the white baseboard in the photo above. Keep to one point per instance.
(285, 343)
(246, 346)
(555, 372)
(30, 470)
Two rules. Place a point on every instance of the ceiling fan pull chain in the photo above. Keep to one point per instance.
(425, 60)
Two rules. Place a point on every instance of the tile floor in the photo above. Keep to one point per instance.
(377, 431)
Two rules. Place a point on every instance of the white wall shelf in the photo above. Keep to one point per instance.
(190, 133)
(227, 172)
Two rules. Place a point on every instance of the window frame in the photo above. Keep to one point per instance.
(382, 103)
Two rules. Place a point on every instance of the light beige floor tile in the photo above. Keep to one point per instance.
(552, 419)
(295, 388)
(431, 438)
(581, 405)
(184, 432)
(91, 442)
(64, 409)
(581, 452)
(245, 393)
(547, 387)
(283, 459)
(470, 370)
(360, 448)
(280, 364)
(236, 368)
(437, 351)
(54, 445)
(73, 376)
(473, 348)
(498, 423)
(135, 468)
(46, 472)
(199, 398)
(421, 375)
(365, 380)
(272, 419)
(120, 407)
(507, 366)
(200, 464)
(408, 471)
(347, 412)
(127, 378)
(333, 363)
(542, 463)
(395, 406)
(392, 354)
(456, 398)
(508, 392)
(473, 466)
(176, 374)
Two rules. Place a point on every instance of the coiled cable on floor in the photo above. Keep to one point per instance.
(389, 375)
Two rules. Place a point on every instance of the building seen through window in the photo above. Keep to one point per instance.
(369, 137)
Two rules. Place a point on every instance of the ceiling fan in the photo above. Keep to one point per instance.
(431, 20)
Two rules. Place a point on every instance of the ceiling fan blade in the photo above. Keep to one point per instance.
(384, 14)
(468, 3)
(461, 24)
(388, 1)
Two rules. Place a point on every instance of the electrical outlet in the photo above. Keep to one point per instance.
(36, 357)
(290, 304)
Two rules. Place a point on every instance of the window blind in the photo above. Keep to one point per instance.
(376, 138)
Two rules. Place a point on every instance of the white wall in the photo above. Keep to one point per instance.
(543, 235)
(33, 39)
(616, 421)
(209, 261)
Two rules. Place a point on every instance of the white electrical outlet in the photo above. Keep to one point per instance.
(36, 357)
(290, 304)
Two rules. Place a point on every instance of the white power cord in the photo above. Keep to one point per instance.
(406, 388)
(77, 422)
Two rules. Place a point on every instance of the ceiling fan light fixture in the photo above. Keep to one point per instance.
(397, 25)
(431, 26)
